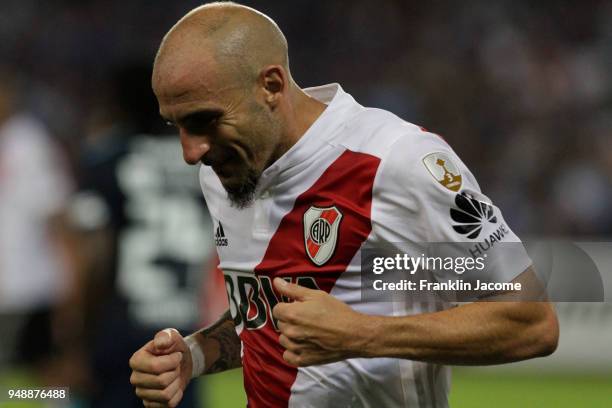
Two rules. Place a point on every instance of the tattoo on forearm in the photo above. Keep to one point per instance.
(224, 333)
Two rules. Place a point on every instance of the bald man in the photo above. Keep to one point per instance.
(298, 181)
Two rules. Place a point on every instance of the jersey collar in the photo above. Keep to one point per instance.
(339, 107)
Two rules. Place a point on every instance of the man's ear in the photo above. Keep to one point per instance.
(273, 80)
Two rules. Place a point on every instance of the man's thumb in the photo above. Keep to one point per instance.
(291, 290)
(165, 340)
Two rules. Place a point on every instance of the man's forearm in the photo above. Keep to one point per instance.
(477, 333)
(220, 345)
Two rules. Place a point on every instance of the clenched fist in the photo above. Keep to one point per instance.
(161, 370)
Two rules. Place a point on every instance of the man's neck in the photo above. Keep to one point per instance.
(305, 110)
(308, 111)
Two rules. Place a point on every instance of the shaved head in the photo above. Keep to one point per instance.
(236, 40)
(221, 76)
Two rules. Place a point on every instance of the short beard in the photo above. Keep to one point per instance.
(242, 196)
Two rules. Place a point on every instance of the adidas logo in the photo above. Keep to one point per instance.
(220, 239)
(471, 215)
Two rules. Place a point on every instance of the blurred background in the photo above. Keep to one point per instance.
(92, 184)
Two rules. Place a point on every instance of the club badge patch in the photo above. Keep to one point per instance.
(321, 233)
(442, 168)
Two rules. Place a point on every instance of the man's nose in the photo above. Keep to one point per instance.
(194, 146)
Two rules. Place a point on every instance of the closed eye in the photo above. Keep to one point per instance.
(200, 121)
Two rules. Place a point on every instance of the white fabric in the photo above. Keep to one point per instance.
(198, 360)
(33, 187)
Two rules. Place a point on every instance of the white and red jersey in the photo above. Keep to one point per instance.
(357, 177)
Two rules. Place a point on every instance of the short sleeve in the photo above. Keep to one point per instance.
(429, 201)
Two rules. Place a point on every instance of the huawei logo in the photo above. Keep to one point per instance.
(470, 215)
